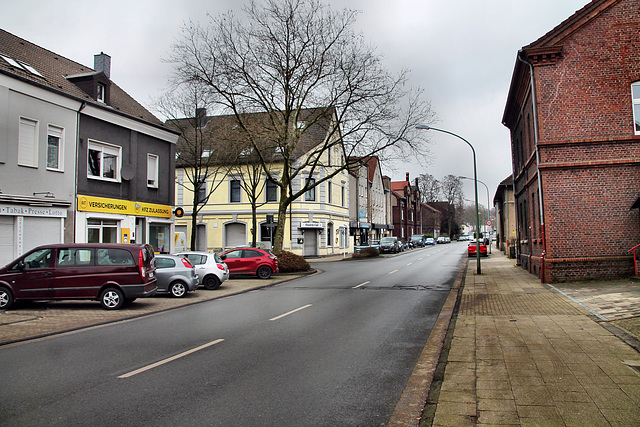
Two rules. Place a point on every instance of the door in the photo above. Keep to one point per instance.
(76, 274)
(32, 277)
(235, 261)
(310, 243)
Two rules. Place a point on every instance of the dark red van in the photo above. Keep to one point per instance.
(113, 274)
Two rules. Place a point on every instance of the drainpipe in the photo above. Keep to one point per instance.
(535, 136)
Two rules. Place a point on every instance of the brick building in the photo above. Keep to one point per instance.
(405, 206)
(573, 110)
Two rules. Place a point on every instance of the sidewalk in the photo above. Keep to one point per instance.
(523, 353)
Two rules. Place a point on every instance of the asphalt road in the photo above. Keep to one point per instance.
(331, 349)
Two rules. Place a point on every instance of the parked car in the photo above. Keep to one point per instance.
(447, 239)
(440, 240)
(211, 269)
(113, 274)
(471, 249)
(390, 245)
(417, 240)
(430, 241)
(176, 275)
(259, 262)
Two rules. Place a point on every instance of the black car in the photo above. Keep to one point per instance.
(390, 245)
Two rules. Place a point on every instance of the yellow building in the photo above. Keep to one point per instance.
(317, 223)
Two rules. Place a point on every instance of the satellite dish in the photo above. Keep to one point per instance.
(128, 172)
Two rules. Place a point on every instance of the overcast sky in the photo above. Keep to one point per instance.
(462, 53)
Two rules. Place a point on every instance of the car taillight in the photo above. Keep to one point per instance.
(273, 257)
(143, 270)
(187, 263)
(220, 266)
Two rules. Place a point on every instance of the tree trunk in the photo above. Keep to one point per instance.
(194, 222)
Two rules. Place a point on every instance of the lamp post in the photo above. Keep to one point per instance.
(475, 183)
(488, 204)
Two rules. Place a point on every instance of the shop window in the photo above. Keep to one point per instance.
(104, 161)
(28, 143)
(159, 237)
(102, 231)
(152, 171)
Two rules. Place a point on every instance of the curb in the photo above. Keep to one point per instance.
(412, 402)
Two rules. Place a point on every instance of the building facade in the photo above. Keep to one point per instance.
(573, 111)
(317, 224)
(80, 160)
(504, 204)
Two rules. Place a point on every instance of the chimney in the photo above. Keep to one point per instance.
(102, 62)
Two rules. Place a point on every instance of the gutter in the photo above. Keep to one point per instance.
(535, 136)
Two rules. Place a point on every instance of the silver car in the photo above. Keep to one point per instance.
(211, 269)
(176, 275)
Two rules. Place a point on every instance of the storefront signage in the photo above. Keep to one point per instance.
(124, 207)
(311, 225)
(16, 210)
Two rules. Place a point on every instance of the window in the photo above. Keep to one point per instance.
(234, 254)
(152, 171)
(104, 161)
(76, 257)
(329, 193)
(165, 263)
(329, 234)
(343, 195)
(310, 195)
(28, 143)
(102, 231)
(37, 259)
(21, 65)
(234, 191)
(271, 191)
(635, 94)
(266, 231)
(201, 190)
(101, 91)
(54, 147)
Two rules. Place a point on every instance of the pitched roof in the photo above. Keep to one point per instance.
(53, 72)
(224, 132)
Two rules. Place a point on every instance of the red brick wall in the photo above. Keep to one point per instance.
(589, 155)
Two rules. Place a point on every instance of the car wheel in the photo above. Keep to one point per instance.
(111, 299)
(264, 272)
(177, 289)
(6, 298)
(211, 282)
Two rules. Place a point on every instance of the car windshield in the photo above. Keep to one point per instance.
(386, 240)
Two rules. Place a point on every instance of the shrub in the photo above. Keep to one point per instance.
(288, 262)
(367, 253)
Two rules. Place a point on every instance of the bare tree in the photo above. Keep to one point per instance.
(198, 154)
(452, 192)
(301, 64)
(429, 188)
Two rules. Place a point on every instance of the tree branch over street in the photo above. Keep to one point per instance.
(301, 65)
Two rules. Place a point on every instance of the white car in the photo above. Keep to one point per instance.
(211, 269)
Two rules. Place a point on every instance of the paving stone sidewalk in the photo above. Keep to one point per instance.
(523, 353)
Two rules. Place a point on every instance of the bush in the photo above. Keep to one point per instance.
(288, 262)
(367, 253)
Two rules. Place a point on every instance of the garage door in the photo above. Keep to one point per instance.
(6, 240)
(41, 231)
(236, 235)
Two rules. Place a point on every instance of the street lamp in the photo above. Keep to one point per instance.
(488, 204)
(475, 183)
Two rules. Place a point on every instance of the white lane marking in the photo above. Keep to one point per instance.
(420, 259)
(410, 263)
(391, 272)
(170, 359)
(361, 284)
(291, 312)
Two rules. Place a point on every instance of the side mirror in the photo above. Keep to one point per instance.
(223, 257)
(21, 265)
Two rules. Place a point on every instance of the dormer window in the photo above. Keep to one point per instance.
(102, 89)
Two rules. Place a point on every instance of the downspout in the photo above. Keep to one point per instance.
(535, 136)
(75, 202)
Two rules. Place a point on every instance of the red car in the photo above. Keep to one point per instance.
(251, 261)
(471, 249)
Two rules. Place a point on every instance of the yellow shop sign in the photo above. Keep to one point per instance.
(124, 207)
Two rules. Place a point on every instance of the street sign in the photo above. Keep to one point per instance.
(489, 222)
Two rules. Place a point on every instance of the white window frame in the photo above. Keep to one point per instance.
(231, 181)
(54, 131)
(28, 142)
(101, 91)
(635, 100)
(103, 148)
(310, 194)
(153, 162)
